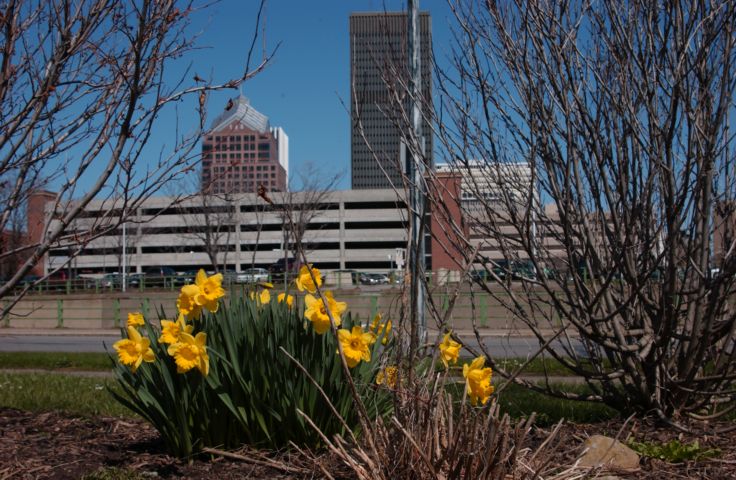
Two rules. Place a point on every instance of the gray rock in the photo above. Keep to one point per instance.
(608, 452)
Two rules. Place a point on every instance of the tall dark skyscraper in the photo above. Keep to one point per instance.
(378, 54)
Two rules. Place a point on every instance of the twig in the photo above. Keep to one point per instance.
(264, 463)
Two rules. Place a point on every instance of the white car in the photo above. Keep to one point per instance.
(252, 275)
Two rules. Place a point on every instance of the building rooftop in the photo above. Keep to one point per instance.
(242, 111)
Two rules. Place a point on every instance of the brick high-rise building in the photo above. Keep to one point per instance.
(378, 51)
(243, 151)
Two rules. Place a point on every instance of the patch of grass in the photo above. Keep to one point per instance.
(74, 394)
(674, 451)
(56, 361)
(89, 396)
(520, 402)
(538, 366)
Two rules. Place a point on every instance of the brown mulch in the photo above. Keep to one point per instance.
(53, 445)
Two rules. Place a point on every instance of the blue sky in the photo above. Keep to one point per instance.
(304, 88)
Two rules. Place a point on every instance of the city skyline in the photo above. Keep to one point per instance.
(305, 89)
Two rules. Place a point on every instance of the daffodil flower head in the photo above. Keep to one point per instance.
(478, 381)
(134, 350)
(283, 297)
(136, 319)
(356, 345)
(388, 376)
(449, 350)
(304, 279)
(381, 329)
(210, 290)
(171, 331)
(186, 303)
(190, 352)
(316, 311)
(265, 296)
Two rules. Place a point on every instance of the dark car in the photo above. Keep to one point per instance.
(283, 266)
(59, 280)
(136, 279)
(160, 276)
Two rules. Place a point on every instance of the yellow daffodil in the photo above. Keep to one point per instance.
(283, 297)
(317, 313)
(388, 376)
(478, 381)
(449, 350)
(210, 290)
(135, 319)
(134, 350)
(190, 352)
(266, 284)
(171, 331)
(186, 303)
(304, 279)
(381, 329)
(265, 296)
(356, 345)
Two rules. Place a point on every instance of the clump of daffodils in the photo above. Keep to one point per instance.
(356, 343)
(189, 351)
(388, 376)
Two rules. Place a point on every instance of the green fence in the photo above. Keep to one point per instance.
(143, 283)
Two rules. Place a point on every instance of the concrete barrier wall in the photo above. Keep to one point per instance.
(110, 309)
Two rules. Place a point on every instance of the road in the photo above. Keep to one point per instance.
(498, 347)
(56, 343)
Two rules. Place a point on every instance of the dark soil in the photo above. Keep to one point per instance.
(53, 445)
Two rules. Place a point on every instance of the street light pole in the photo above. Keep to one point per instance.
(125, 251)
(415, 171)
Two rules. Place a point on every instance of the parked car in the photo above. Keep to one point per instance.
(111, 280)
(373, 279)
(252, 275)
(479, 275)
(228, 276)
(161, 276)
(136, 279)
(341, 278)
(284, 266)
(57, 280)
(28, 279)
(518, 269)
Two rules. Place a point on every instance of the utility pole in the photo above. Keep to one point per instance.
(415, 172)
(125, 251)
